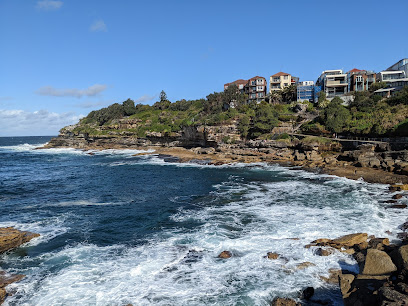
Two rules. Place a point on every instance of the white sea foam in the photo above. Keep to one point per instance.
(180, 267)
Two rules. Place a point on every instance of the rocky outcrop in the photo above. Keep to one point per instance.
(225, 255)
(378, 263)
(284, 302)
(11, 238)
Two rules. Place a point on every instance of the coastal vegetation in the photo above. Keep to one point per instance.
(369, 115)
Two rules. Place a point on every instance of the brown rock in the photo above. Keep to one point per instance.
(348, 251)
(7, 280)
(321, 240)
(11, 238)
(402, 260)
(377, 277)
(225, 254)
(393, 295)
(304, 265)
(333, 276)
(352, 239)
(361, 246)
(398, 187)
(284, 302)
(271, 255)
(397, 196)
(378, 263)
(324, 252)
(345, 281)
(3, 295)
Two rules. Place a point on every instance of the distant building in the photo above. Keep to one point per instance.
(360, 80)
(395, 76)
(333, 83)
(255, 88)
(239, 83)
(306, 90)
(281, 80)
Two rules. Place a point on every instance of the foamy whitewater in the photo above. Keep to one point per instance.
(117, 228)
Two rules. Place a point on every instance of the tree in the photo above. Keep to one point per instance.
(163, 96)
(275, 97)
(322, 99)
(232, 94)
(377, 85)
(244, 125)
(289, 93)
(265, 119)
(129, 107)
(336, 116)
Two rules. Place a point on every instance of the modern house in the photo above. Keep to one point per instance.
(281, 80)
(360, 80)
(255, 88)
(333, 83)
(395, 76)
(306, 90)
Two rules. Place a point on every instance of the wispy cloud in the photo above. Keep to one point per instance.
(98, 26)
(94, 104)
(23, 123)
(49, 5)
(145, 98)
(72, 92)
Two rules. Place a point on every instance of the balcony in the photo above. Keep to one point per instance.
(336, 83)
(275, 80)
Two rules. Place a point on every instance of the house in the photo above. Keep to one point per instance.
(333, 83)
(306, 90)
(360, 80)
(255, 88)
(239, 83)
(396, 77)
(281, 80)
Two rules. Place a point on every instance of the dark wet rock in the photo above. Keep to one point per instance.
(363, 292)
(397, 196)
(404, 226)
(225, 255)
(402, 287)
(400, 206)
(308, 293)
(378, 263)
(272, 255)
(390, 201)
(284, 302)
(333, 278)
(403, 236)
(361, 246)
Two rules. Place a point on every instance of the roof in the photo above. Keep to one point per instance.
(355, 70)
(280, 73)
(256, 77)
(385, 89)
(240, 81)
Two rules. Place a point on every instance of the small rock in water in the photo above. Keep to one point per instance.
(272, 255)
(284, 302)
(308, 293)
(398, 206)
(324, 252)
(225, 254)
(397, 196)
(305, 265)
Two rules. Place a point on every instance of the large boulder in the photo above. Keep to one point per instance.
(378, 263)
(11, 238)
(345, 281)
(284, 302)
(351, 239)
(403, 257)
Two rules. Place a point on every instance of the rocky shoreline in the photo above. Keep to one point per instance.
(10, 239)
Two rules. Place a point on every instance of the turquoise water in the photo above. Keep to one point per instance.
(117, 228)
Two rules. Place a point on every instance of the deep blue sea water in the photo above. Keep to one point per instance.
(117, 228)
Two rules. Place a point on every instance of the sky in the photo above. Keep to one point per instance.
(61, 59)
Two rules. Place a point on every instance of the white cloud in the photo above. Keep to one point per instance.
(98, 26)
(145, 98)
(72, 92)
(42, 122)
(49, 5)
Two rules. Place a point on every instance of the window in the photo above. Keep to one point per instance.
(260, 88)
(285, 84)
(285, 77)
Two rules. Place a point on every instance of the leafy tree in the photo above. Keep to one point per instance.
(163, 96)
(400, 97)
(289, 93)
(377, 85)
(232, 94)
(244, 125)
(266, 118)
(129, 107)
(322, 99)
(275, 97)
(336, 116)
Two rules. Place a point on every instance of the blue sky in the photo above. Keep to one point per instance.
(60, 59)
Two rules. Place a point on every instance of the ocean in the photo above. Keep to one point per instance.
(118, 229)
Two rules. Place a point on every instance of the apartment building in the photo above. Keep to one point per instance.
(306, 90)
(281, 80)
(255, 88)
(239, 83)
(395, 76)
(333, 83)
(360, 80)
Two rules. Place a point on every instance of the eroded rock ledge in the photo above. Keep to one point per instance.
(11, 238)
